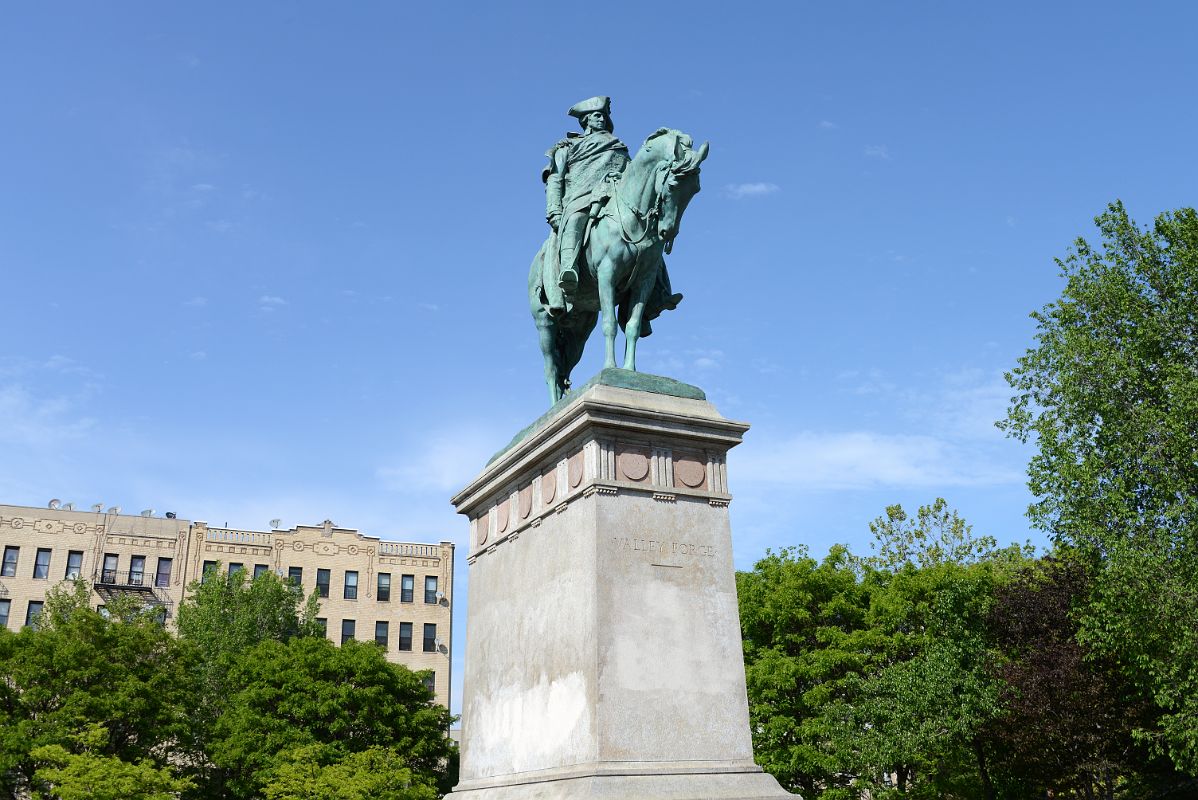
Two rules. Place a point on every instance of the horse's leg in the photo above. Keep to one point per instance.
(548, 340)
(638, 296)
(632, 332)
(607, 307)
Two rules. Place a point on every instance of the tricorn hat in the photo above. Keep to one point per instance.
(585, 107)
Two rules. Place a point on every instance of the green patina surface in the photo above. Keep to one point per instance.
(620, 378)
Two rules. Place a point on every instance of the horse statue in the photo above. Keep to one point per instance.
(624, 277)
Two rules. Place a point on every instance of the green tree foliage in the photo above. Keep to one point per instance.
(243, 706)
(917, 725)
(1109, 395)
(87, 775)
(306, 692)
(874, 673)
(316, 773)
(805, 632)
(224, 617)
(226, 613)
(79, 668)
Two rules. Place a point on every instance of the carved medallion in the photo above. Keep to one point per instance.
(575, 469)
(526, 501)
(690, 472)
(548, 485)
(504, 516)
(633, 463)
(483, 525)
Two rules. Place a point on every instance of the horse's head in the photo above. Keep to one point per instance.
(677, 177)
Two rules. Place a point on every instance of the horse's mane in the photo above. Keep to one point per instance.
(687, 161)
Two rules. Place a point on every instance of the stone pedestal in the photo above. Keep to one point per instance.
(603, 650)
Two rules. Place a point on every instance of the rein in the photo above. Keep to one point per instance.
(659, 187)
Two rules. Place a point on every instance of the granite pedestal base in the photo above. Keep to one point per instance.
(603, 650)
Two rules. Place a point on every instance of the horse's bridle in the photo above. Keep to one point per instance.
(659, 188)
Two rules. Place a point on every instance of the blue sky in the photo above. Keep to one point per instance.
(268, 259)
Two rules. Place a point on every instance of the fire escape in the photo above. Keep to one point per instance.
(150, 589)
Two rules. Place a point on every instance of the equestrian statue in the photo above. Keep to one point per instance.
(612, 218)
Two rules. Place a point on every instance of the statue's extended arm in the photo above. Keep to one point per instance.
(555, 188)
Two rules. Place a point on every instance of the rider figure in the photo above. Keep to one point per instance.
(581, 174)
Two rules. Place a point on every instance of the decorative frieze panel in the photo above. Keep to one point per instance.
(37, 525)
(599, 466)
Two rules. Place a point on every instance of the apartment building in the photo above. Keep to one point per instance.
(398, 594)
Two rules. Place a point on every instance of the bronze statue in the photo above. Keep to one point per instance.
(612, 219)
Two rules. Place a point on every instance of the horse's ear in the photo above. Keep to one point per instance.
(656, 133)
(703, 148)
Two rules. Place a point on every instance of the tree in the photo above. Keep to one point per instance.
(1067, 715)
(224, 616)
(87, 775)
(804, 631)
(78, 669)
(376, 773)
(876, 673)
(307, 692)
(1109, 395)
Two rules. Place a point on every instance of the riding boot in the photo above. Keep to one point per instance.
(555, 301)
(567, 281)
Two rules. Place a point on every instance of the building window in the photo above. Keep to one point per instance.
(323, 624)
(74, 564)
(384, 592)
(259, 569)
(351, 585)
(162, 578)
(11, 554)
(108, 574)
(430, 637)
(5, 605)
(295, 576)
(41, 563)
(32, 613)
(430, 589)
(322, 582)
(137, 570)
(430, 681)
(236, 566)
(381, 632)
(208, 571)
(407, 587)
(347, 630)
(405, 636)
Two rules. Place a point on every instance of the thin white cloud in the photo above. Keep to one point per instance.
(706, 359)
(196, 302)
(269, 302)
(443, 462)
(828, 125)
(877, 151)
(26, 419)
(853, 460)
(739, 191)
(221, 225)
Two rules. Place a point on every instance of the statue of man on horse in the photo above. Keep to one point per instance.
(612, 219)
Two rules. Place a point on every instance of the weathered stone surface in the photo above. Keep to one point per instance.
(603, 651)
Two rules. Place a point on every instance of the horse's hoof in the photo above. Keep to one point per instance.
(568, 281)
